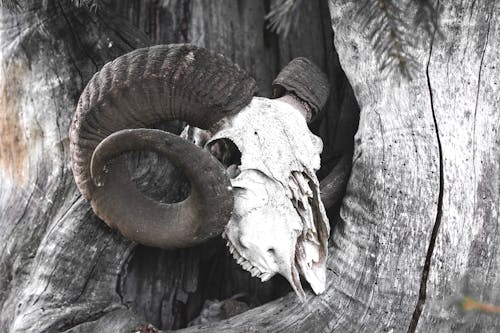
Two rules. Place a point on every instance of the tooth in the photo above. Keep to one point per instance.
(265, 276)
(254, 271)
(246, 265)
(240, 260)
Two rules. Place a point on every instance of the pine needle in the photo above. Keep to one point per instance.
(395, 28)
(92, 4)
(385, 24)
(10, 4)
(15, 5)
(283, 16)
(426, 17)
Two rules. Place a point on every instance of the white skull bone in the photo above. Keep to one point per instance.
(278, 224)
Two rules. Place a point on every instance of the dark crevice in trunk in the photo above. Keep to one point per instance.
(168, 288)
(272, 42)
(123, 271)
(186, 14)
(430, 250)
(75, 35)
(157, 295)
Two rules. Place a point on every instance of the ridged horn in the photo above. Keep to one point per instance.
(127, 95)
(306, 81)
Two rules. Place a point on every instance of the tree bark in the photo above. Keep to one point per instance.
(418, 225)
(63, 269)
(433, 146)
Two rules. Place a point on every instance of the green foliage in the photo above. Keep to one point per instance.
(395, 28)
(15, 5)
(89, 3)
(10, 4)
(283, 16)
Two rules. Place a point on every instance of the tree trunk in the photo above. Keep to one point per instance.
(418, 224)
(63, 269)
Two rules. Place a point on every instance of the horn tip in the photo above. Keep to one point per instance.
(306, 81)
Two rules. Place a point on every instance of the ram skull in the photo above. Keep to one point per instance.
(278, 223)
(261, 191)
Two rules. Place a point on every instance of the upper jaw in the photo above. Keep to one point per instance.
(291, 272)
(247, 265)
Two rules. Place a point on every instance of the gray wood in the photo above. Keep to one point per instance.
(412, 230)
(466, 258)
(61, 268)
(418, 224)
(240, 35)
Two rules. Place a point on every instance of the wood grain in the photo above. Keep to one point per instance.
(60, 268)
(418, 227)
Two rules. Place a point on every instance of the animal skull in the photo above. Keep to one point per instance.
(263, 180)
(278, 224)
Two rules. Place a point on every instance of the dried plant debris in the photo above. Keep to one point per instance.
(470, 304)
(215, 310)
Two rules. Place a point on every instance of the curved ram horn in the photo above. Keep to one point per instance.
(332, 187)
(139, 89)
(304, 80)
(303, 84)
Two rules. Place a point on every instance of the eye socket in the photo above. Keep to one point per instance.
(271, 251)
(225, 151)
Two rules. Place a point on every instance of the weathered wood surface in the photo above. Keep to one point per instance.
(466, 101)
(45, 286)
(419, 221)
(454, 99)
(420, 216)
(236, 29)
(61, 268)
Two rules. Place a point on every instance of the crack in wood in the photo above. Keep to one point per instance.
(430, 250)
(476, 106)
(186, 14)
(75, 35)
